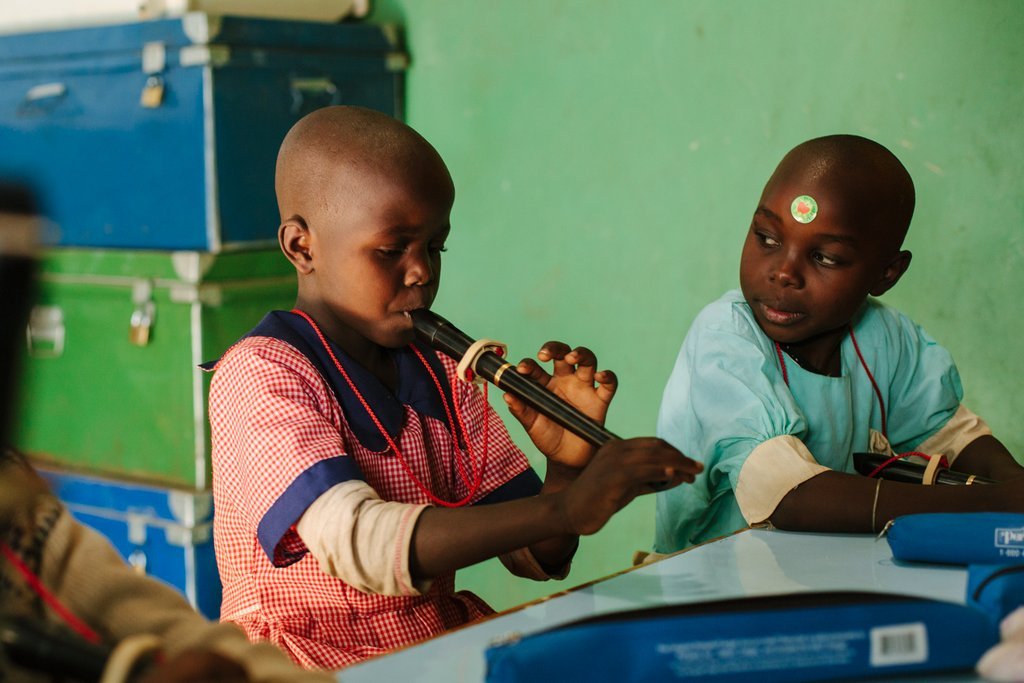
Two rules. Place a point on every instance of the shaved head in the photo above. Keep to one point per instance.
(330, 156)
(826, 234)
(873, 190)
(365, 208)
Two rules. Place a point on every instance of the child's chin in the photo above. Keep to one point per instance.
(397, 339)
(780, 337)
(780, 333)
(772, 331)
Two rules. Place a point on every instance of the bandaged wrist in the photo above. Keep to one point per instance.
(363, 540)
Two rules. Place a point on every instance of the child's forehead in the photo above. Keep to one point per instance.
(374, 201)
(806, 195)
(806, 172)
(813, 190)
(824, 211)
(395, 185)
(861, 181)
(386, 183)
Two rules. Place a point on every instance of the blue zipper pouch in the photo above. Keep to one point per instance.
(995, 590)
(958, 538)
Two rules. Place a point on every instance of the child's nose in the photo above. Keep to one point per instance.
(420, 270)
(786, 272)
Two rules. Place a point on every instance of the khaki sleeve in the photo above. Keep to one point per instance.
(961, 429)
(363, 540)
(88, 576)
(773, 469)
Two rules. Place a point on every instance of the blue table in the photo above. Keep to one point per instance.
(751, 563)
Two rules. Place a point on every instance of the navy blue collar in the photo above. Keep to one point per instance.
(416, 388)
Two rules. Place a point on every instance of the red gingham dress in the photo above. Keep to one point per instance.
(272, 418)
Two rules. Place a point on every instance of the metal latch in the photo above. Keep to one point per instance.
(137, 538)
(45, 332)
(144, 314)
(154, 61)
(313, 92)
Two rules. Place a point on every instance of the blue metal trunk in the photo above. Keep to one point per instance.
(163, 134)
(166, 533)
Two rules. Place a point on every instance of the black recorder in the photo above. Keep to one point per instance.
(886, 467)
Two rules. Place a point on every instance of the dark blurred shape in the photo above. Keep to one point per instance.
(19, 231)
(51, 649)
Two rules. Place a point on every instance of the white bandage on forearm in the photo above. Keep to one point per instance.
(522, 563)
(363, 540)
(773, 469)
(961, 429)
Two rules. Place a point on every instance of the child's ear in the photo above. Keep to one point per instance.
(294, 238)
(892, 273)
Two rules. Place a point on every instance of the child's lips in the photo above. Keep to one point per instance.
(407, 309)
(780, 317)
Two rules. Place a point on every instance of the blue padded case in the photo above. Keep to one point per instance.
(996, 590)
(958, 538)
(799, 637)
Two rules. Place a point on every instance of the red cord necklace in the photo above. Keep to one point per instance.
(477, 472)
(878, 395)
(76, 624)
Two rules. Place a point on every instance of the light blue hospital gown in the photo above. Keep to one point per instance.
(726, 395)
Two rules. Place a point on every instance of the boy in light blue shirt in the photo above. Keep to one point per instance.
(779, 383)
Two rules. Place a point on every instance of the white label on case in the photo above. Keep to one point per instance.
(899, 644)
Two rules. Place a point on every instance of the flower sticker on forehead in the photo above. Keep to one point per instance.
(804, 208)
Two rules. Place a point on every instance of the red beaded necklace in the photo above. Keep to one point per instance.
(477, 472)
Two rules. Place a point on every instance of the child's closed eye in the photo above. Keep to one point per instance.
(765, 239)
(826, 260)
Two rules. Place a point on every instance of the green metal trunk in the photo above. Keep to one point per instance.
(110, 382)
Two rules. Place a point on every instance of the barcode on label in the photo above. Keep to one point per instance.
(899, 644)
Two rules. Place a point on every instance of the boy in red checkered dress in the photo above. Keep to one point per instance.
(353, 473)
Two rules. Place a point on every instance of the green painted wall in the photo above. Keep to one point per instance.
(608, 156)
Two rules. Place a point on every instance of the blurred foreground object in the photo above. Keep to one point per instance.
(18, 232)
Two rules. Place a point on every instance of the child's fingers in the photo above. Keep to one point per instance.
(659, 448)
(669, 472)
(620, 471)
(1012, 626)
(580, 361)
(520, 410)
(607, 384)
(531, 369)
(556, 352)
(1004, 662)
(585, 362)
(666, 478)
(553, 350)
(655, 462)
(690, 465)
(644, 479)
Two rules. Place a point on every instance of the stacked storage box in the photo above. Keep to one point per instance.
(165, 532)
(152, 148)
